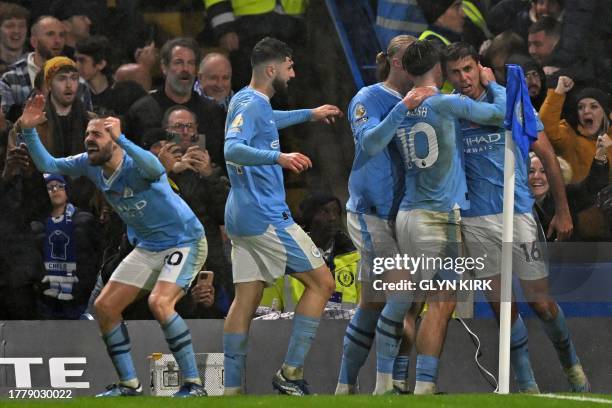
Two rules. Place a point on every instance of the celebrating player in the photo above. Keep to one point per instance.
(375, 188)
(428, 220)
(170, 246)
(482, 222)
(266, 241)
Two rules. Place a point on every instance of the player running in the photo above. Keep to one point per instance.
(170, 246)
(482, 223)
(266, 241)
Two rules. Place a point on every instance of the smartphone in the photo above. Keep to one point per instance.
(206, 276)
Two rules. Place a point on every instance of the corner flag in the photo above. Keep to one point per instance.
(520, 114)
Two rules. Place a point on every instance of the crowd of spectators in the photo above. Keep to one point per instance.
(91, 57)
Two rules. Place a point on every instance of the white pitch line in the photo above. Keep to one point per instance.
(568, 397)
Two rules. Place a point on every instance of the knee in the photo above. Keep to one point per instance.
(328, 284)
(160, 306)
(544, 310)
(104, 309)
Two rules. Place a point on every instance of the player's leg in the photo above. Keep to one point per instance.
(390, 324)
(249, 277)
(534, 281)
(124, 286)
(438, 237)
(370, 235)
(235, 334)
(109, 305)
(482, 239)
(430, 340)
(519, 341)
(179, 266)
(555, 327)
(319, 286)
(402, 361)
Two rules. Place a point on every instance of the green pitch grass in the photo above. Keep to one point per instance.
(326, 401)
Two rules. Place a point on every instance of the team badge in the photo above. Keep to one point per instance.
(237, 122)
(315, 251)
(345, 277)
(360, 112)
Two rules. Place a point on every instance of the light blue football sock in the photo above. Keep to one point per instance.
(519, 356)
(358, 340)
(179, 341)
(234, 358)
(558, 333)
(118, 346)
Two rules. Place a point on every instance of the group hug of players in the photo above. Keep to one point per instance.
(415, 188)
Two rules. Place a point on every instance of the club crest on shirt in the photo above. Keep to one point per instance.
(360, 112)
(128, 192)
(237, 122)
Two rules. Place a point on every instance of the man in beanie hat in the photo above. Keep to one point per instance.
(47, 38)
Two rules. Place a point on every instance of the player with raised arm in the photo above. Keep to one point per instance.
(482, 223)
(170, 246)
(267, 243)
(428, 220)
(375, 188)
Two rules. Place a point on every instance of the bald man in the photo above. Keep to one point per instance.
(47, 38)
(215, 79)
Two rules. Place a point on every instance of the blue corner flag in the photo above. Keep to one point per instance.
(520, 114)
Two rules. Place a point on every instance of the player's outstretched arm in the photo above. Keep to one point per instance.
(561, 222)
(285, 119)
(148, 164)
(33, 115)
(295, 162)
(326, 114)
(237, 152)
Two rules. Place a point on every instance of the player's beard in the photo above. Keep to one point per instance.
(279, 86)
(102, 156)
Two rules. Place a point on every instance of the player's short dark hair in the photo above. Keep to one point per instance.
(457, 51)
(269, 49)
(185, 42)
(420, 57)
(97, 47)
(549, 25)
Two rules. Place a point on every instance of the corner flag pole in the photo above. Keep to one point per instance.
(506, 267)
(521, 130)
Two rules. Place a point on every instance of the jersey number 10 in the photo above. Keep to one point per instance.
(407, 138)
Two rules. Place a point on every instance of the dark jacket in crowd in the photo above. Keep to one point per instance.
(580, 196)
(147, 113)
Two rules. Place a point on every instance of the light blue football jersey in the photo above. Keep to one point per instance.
(429, 141)
(257, 196)
(156, 217)
(376, 182)
(483, 148)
